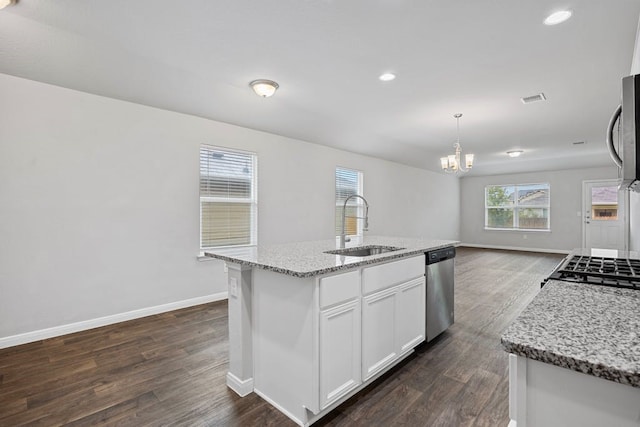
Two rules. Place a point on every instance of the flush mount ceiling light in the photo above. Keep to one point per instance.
(387, 77)
(5, 3)
(558, 17)
(264, 88)
(515, 153)
(451, 163)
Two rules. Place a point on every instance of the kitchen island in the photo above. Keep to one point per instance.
(309, 329)
(575, 358)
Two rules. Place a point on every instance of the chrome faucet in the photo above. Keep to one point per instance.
(343, 235)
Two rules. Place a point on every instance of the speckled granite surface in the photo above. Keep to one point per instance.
(307, 259)
(590, 329)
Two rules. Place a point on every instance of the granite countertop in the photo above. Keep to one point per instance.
(586, 328)
(307, 259)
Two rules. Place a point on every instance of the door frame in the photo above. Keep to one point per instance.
(625, 199)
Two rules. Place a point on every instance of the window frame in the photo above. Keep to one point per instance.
(252, 199)
(516, 207)
(595, 206)
(358, 203)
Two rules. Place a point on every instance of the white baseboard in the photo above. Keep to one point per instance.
(57, 331)
(515, 248)
(281, 409)
(242, 388)
(309, 416)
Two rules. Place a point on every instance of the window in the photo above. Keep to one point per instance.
(228, 200)
(348, 183)
(604, 203)
(517, 207)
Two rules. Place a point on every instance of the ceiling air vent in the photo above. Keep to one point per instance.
(533, 98)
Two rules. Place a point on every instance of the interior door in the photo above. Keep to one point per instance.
(603, 214)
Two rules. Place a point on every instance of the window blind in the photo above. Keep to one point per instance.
(228, 200)
(348, 183)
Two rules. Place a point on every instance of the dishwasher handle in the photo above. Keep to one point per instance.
(439, 255)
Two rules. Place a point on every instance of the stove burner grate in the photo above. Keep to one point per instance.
(616, 272)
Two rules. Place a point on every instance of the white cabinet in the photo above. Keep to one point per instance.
(393, 312)
(319, 340)
(545, 395)
(379, 346)
(393, 322)
(339, 351)
(339, 288)
(340, 332)
(411, 320)
(392, 273)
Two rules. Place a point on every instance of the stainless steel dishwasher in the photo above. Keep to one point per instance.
(440, 283)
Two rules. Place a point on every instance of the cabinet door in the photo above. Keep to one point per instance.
(339, 288)
(339, 351)
(392, 273)
(411, 314)
(379, 346)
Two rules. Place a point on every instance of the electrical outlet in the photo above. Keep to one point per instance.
(233, 287)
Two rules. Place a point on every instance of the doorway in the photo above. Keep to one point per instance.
(603, 212)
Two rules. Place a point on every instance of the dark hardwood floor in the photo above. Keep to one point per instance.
(170, 369)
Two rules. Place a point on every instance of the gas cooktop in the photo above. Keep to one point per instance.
(616, 272)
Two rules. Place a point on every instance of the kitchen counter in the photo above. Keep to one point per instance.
(308, 330)
(575, 354)
(590, 329)
(307, 259)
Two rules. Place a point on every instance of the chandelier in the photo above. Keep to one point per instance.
(451, 163)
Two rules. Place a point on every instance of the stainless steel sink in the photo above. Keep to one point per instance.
(364, 250)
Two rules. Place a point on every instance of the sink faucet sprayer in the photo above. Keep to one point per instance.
(343, 235)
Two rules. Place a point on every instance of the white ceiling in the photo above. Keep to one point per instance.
(477, 57)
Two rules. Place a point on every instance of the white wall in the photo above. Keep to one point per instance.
(635, 61)
(566, 202)
(99, 211)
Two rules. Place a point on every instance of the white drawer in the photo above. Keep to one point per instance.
(397, 271)
(338, 288)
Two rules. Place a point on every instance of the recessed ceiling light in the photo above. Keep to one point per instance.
(558, 17)
(387, 77)
(515, 153)
(5, 3)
